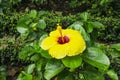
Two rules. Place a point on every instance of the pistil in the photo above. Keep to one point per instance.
(60, 30)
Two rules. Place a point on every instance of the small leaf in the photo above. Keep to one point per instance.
(97, 25)
(89, 27)
(72, 62)
(97, 58)
(30, 68)
(41, 24)
(116, 46)
(52, 68)
(112, 75)
(84, 16)
(33, 14)
(22, 30)
(34, 57)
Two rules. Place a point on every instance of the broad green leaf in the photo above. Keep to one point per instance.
(112, 74)
(116, 46)
(52, 68)
(22, 30)
(33, 14)
(41, 24)
(97, 25)
(97, 58)
(78, 26)
(30, 68)
(72, 62)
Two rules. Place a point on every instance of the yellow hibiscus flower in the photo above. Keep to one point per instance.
(63, 42)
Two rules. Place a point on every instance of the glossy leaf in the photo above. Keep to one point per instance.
(72, 62)
(112, 74)
(52, 68)
(97, 58)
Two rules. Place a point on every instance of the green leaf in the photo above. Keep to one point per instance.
(89, 27)
(72, 62)
(41, 24)
(114, 53)
(115, 46)
(22, 30)
(45, 53)
(84, 16)
(52, 68)
(97, 25)
(27, 77)
(24, 76)
(78, 26)
(97, 58)
(42, 38)
(35, 57)
(92, 75)
(112, 74)
(25, 52)
(33, 14)
(30, 68)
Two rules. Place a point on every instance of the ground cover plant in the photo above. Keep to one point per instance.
(59, 40)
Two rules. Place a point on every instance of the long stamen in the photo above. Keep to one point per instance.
(60, 30)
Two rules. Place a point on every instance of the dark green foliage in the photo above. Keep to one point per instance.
(111, 33)
(23, 22)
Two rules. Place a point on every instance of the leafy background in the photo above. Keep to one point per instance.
(25, 23)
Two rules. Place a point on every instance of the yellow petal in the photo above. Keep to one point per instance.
(76, 48)
(48, 43)
(76, 43)
(59, 51)
(55, 33)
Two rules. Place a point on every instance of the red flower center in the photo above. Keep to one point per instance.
(63, 40)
